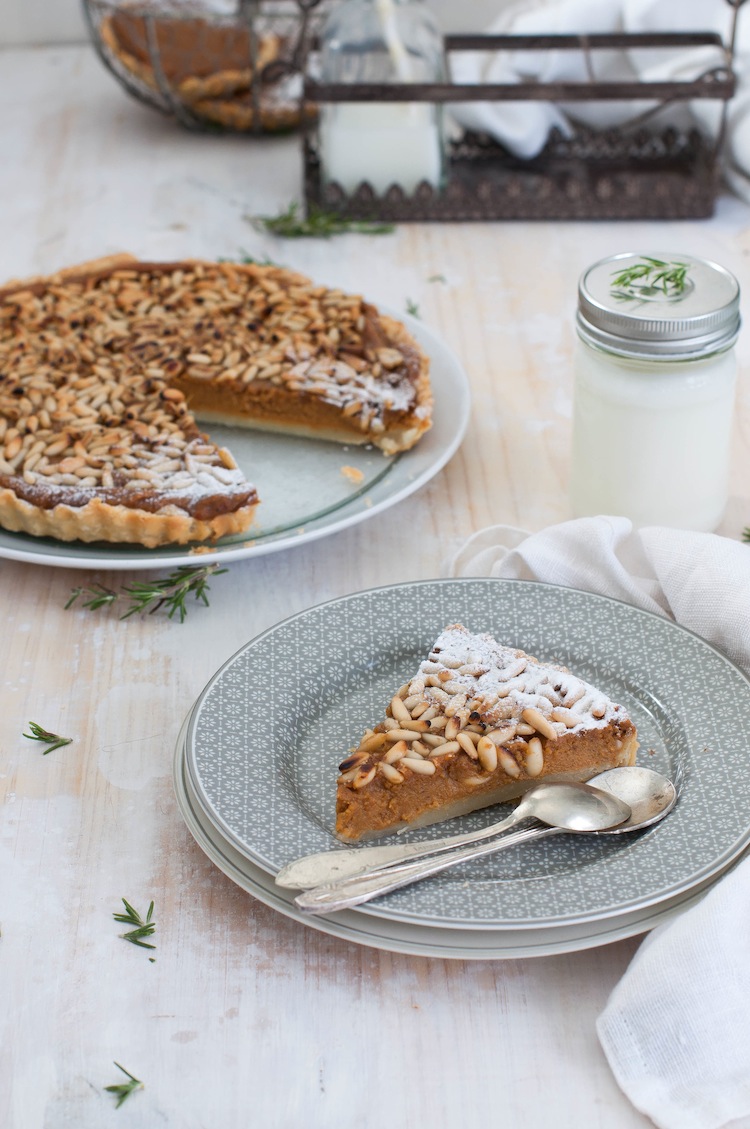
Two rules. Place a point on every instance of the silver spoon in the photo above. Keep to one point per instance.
(562, 805)
(643, 789)
(649, 794)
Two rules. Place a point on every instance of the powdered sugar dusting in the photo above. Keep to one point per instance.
(474, 672)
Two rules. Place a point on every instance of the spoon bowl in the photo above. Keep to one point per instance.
(649, 795)
(571, 806)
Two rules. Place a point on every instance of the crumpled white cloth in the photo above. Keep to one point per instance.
(676, 1029)
(523, 127)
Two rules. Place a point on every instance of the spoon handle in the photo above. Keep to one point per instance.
(363, 887)
(334, 866)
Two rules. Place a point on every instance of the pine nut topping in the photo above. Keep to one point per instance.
(534, 759)
(396, 752)
(390, 773)
(425, 768)
(539, 722)
(487, 753)
(508, 763)
(465, 742)
(399, 710)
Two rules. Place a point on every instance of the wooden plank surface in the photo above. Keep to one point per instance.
(247, 1018)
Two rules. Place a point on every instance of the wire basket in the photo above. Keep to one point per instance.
(215, 64)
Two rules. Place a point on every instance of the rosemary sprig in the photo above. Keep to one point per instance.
(142, 929)
(290, 224)
(650, 276)
(412, 308)
(148, 596)
(246, 257)
(746, 533)
(123, 1090)
(52, 739)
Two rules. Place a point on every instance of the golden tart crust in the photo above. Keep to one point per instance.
(104, 366)
(478, 724)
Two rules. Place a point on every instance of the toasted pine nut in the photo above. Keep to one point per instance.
(426, 768)
(363, 779)
(487, 753)
(565, 716)
(390, 773)
(466, 743)
(534, 759)
(502, 736)
(399, 710)
(396, 752)
(508, 763)
(446, 747)
(536, 718)
(452, 728)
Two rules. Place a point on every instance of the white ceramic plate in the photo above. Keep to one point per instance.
(400, 937)
(304, 492)
(268, 731)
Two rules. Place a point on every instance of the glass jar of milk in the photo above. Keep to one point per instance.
(654, 390)
(381, 143)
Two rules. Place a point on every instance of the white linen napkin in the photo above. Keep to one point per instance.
(676, 1029)
(523, 127)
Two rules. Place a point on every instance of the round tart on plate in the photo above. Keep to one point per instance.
(104, 368)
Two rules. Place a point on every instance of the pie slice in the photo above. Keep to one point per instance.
(478, 724)
(104, 368)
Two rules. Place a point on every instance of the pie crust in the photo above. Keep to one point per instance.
(103, 368)
(478, 724)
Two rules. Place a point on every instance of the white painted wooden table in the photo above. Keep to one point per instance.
(248, 1019)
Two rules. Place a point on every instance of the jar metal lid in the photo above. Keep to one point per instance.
(658, 306)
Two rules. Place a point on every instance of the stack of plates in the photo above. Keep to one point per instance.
(256, 765)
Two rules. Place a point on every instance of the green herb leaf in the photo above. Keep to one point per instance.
(52, 739)
(437, 278)
(245, 257)
(412, 308)
(290, 224)
(649, 277)
(169, 592)
(98, 596)
(143, 928)
(123, 1090)
(746, 533)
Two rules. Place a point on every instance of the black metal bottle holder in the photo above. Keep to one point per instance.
(635, 172)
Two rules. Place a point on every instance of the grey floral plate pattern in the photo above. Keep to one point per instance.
(267, 733)
(405, 937)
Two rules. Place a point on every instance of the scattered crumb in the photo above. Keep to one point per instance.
(368, 502)
(200, 549)
(352, 474)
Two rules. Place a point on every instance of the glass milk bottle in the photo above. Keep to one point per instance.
(383, 143)
(654, 390)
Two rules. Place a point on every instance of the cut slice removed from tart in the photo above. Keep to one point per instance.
(476, 725)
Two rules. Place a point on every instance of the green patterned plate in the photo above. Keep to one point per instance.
(267, 733)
